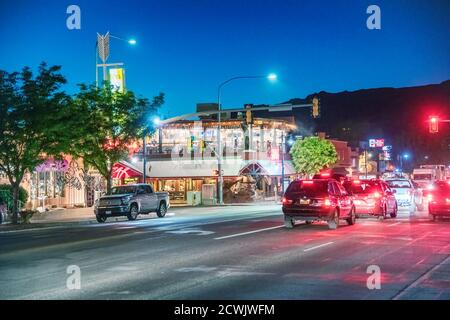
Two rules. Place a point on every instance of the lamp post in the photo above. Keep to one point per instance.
(271, 77)
(102, 51)
(403, 156)
(156, 122)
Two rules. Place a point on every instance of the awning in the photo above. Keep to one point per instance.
(205, 168)
(124, 170)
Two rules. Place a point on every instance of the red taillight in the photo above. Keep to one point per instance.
(325, 174)
(376, 195)
(327, 202)
(307, 182)
(286, 201)
(357, 181)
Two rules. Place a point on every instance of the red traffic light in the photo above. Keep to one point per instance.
(434, 124)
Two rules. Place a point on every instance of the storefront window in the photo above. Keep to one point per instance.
(175, 188)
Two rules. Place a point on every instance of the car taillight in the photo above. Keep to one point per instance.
(327, 202)
(375, 195)
(286, 201)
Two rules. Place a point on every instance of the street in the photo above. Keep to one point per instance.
(232, 252)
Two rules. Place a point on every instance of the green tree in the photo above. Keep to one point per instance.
(105, 122)
(312, 154)
(33, 113)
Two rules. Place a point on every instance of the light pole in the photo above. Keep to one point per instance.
(156, 123)
(366, 155)
(102, 51)
(403, 156)
(271, 77)
(283, 150)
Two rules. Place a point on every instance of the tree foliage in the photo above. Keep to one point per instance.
(105, 123)
(33, 114)
(312, 154)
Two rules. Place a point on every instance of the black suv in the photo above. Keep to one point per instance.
(315, 200)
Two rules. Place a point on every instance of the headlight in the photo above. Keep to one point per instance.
(126, 200)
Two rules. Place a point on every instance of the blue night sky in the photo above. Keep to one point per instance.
(186, 48)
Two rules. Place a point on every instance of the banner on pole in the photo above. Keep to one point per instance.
(117, 79)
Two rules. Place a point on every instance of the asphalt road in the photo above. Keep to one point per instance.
(228, 253)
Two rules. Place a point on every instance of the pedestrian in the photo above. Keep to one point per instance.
(2, 210)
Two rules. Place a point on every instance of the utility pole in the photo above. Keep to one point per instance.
(365, 161)
(144, 158)
(283, 150)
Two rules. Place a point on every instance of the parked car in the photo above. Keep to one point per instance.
(130, 201)
(439, 200)
(405, 193)
(315, 200)
(372, 197)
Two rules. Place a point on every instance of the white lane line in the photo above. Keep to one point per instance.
(319, 246)
(393, 224)
(422, 278)
(32, 229)
(249, 232)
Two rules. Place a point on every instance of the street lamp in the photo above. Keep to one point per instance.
(270, 77)
(102, 50)
(156, 122)
(403, 156)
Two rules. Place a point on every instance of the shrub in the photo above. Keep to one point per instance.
(23, 194)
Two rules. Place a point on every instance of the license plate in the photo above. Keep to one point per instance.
(304, 201)
(108, 212)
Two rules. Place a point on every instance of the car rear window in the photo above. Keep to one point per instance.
(362, 187)
(311, 188)
(422, 176)
(398, 183)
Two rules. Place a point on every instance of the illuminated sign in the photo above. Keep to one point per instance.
(387, 153)
(117, 79)
(376, 143)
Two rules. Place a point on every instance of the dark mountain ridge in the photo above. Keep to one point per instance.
(399, 115)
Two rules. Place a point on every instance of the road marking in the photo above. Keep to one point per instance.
(195, 231)
(319, 246)
(424, 276)
(249, 232)
(393, 224)
(32, 229)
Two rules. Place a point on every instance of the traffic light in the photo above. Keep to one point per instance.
(248, 114)
(434, 124)
(315, 112)
(190, 143)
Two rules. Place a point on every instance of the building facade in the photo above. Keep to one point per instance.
(182, 160)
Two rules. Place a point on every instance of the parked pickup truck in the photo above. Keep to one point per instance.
(130, 201)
